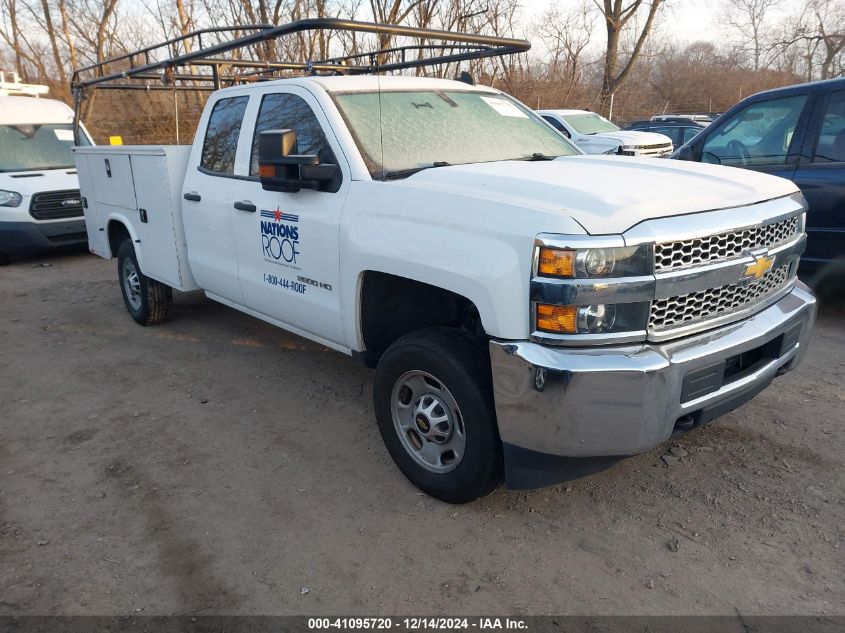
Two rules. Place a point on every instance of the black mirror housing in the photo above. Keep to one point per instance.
(280, 169)
(686, 152)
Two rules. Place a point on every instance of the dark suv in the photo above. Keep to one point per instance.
(679, 130)
(797, 133)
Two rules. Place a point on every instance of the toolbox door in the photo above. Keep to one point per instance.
(94, 223)
(154, 220)
(111, 175)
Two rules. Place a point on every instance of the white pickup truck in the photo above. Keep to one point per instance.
(532, 313)
(594, 134)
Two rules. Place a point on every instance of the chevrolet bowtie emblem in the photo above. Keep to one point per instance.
(759, 267)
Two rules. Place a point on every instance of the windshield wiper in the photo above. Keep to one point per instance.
(539, 156)
(404, 173)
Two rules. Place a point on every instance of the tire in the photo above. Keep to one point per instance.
(4, 259)
(434, 406)
(148, 301)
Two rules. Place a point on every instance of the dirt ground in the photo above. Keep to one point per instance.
(219, 465)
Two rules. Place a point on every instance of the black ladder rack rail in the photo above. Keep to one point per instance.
(142, 71)
(453, 47)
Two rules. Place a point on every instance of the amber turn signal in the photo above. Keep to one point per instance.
(266, 171)
(556, 263)
(556, 319)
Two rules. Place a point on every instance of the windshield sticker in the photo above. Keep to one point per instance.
(504, 107)
(64, 135)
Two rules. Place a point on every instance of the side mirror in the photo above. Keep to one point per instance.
(686, 152)
(710, 157)
(280, 169)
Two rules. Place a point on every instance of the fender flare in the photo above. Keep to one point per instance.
(120, 218)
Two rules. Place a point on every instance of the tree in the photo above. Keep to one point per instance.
(820, 28)
(616, 17)
(750, 19)
(566, 35)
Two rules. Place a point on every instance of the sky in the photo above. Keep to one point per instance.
(683, 20)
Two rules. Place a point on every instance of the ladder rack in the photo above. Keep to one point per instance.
(193, 51)
(198, 60)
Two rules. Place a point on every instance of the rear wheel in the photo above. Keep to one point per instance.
(4, 259)
(434, 407)
(148, 301)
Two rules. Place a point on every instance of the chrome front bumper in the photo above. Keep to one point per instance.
(627, 399)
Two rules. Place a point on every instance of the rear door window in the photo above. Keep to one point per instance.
(830, 147)
(690, 133)
(672, 132)
(221, 135)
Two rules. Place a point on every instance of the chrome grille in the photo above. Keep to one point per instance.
(646, 150)
(55, 205)
(712, 248)
(714, 302)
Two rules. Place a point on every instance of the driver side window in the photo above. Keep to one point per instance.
(757, 135)
(284, 111)
(557, 125)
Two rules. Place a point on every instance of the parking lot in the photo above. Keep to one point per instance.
(217, 464)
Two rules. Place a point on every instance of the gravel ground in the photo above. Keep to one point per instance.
(219, 465)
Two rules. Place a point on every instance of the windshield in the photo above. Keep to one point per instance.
(589, 123)
(402, 132)
(37, 146)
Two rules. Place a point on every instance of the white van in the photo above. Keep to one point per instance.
(40, 204)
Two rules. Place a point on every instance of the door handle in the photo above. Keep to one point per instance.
(246, 205)
(193, 196)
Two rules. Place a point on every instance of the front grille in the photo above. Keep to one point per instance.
(705, 250)
(56, 205)
(645, 150)
(714, 302)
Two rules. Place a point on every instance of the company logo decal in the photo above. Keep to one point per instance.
(759, 267)
(278, 216)
(280, 237)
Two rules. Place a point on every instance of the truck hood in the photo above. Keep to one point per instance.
(606, 194)
(27, 183)
(631, 137)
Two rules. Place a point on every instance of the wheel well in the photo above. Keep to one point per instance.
(393, 306)
(117, 233)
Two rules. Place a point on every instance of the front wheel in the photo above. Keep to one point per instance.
(4, 259)
(434, 406)
(148, 301)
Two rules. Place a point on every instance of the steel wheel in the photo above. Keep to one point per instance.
(428, 421)
(131, 284)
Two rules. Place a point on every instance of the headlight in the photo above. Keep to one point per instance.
(591, 319)
(589, 290)
(10, 198)
(594, 263)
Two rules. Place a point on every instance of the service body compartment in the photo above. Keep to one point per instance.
(139, 186)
